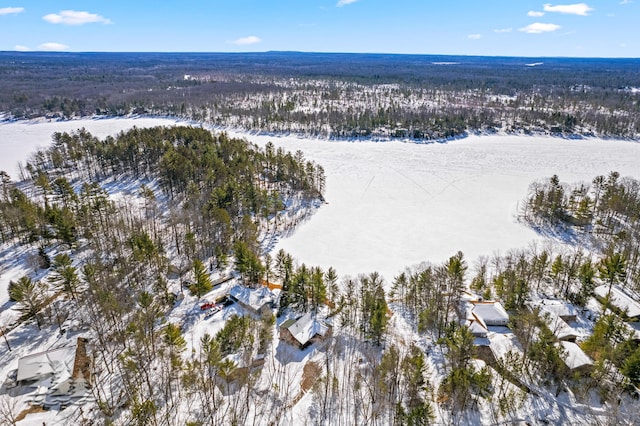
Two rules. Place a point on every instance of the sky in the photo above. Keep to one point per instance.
(597, 28)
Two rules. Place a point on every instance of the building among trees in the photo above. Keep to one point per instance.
(491, 313)
(259, 301)
(59, 376)
(620, 300)
(304, 331)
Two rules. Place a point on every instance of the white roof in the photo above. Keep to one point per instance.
(492, 313)
(634, 327)
(574, 356)
(476, 325)
(558, 326)
(54, 362)
(503, 343)
(557, 307)
(620, 299)
(254, 297)
(306, 327)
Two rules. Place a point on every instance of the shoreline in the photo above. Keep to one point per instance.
(326, 138)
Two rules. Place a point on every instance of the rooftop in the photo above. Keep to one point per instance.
(558, 326)
(54, 362)
(306, 327)
(492, 313)
(557, 307)
(254, 297)
(575, 357)
(620, 299)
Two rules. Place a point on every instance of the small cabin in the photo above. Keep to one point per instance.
(60, 376)
(565, 311)
(477, 327)
(620, 300)
(259, 301)
(559, 327)
(575, 359)
(304, 331)
(491, 313)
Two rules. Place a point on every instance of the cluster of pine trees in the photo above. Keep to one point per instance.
(604, 213)
(204, 197)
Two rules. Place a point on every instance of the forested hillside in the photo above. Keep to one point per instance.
(333, 95)
(119, 229)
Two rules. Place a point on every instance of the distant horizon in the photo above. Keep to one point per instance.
(60, 52)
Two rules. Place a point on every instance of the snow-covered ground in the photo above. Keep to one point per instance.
(395, 204)
(20, 138)
(389, 205)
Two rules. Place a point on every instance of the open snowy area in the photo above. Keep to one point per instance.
(21, 138)
(396, 204)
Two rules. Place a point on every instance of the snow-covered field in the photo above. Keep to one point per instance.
(395, 204)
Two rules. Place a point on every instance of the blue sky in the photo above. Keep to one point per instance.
(598, 28)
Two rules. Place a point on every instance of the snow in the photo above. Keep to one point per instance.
(491, 313)
(255, 298)
(575, 357)
(557, 307)
(43, 364)
(477, 326)
(620, 300)
(502, 343)
(306, 327)
(20, 138)
(390, 205)
(394, 204)
(559, 327)
(634, 328)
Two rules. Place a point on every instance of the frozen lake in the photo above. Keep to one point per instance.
(395, 204)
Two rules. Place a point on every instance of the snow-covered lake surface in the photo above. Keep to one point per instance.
(395, 204)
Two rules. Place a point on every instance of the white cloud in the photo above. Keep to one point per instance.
(626, 1)
(581, 9)
(503, 30)
(73, 17)
(20, 48)
(474, 36)
(11, 10)
(345, 2)
(53, 46)
(247, 40)
(535, 14)
(539, 28)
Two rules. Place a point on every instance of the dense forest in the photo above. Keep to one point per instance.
(333, 95)
(116, 223)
